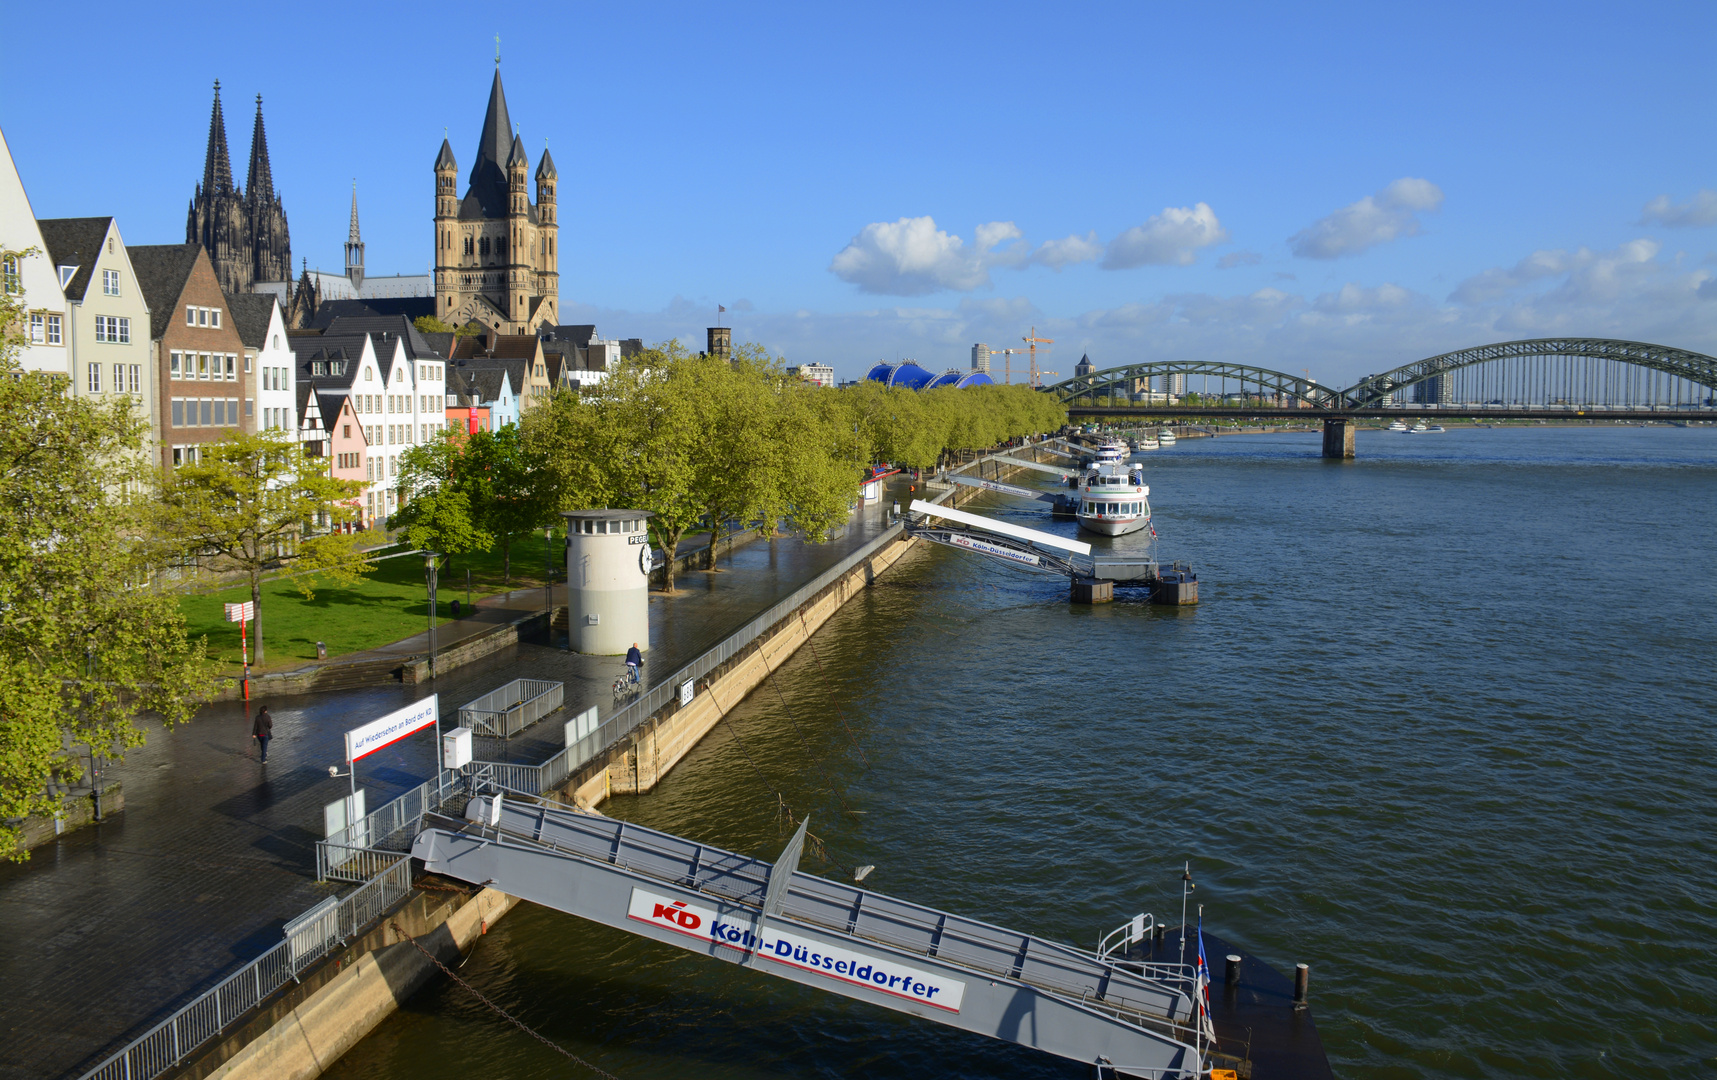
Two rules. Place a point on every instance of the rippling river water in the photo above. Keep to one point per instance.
(1442, 728)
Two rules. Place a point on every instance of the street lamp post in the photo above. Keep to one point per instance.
(429, 558)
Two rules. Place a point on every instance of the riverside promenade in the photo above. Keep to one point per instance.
(112, 927)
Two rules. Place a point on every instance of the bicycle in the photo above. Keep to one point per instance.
(628, 683)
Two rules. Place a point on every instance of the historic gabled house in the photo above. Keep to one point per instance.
(107, 315)
(244, 232)
(206, 382)
(30, 278)
(495, 250)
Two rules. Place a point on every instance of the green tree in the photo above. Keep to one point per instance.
(429, 324)
(87, 642)
(435, 511)
(250, 503)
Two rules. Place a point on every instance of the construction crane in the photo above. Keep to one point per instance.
(1034, 341)
(1007, 362)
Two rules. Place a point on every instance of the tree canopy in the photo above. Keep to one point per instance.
(253, 498)
(87, 640)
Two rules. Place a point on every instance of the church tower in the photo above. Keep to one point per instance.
(548, 230)
(446, 232)
(218, 218)
(271, 244)
(355, 246)
(493, 262)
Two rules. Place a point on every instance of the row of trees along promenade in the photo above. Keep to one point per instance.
(100, 549)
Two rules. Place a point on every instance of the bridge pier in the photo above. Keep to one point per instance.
(1338, 438)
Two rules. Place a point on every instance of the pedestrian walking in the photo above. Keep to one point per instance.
(263, 730)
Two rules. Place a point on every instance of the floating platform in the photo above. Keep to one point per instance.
(1261, 1031)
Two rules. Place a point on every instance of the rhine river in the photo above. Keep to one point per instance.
(1442, 728)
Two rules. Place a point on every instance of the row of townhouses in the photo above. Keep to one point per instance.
(207, 337)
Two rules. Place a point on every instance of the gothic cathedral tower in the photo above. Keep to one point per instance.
(495, 257)
(244, 232)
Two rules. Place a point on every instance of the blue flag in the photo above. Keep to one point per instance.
(1203, 969)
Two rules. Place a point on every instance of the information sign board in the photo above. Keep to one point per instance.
(366, 740)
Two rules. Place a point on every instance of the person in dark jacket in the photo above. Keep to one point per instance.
(634, 659)
(263, 730)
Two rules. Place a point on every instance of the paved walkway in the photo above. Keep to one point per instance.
(112, 927)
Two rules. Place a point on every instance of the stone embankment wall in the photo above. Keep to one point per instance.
(343, 998)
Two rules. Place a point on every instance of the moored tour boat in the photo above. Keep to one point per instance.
(1166, 438)
(1113, 499)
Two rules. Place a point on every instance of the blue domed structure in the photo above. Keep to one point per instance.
(909, 374)
(914, 376)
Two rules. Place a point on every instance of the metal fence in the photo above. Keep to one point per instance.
(308, 938)
(512, 708)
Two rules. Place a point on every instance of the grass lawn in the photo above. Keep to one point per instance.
(390, 604)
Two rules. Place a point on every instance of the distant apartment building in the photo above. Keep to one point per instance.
(1174, 385)
(821, 374)
(1437, 390)
(981, 358)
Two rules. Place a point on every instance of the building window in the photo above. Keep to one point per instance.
(54, 330)
(136, 386)
(215, 318)
(119, 378)
(208, 411)
(178, 417)
(95, 378)
(112, 329)
(221, 412)
(38, 328)
(10, 282)
(346, 431)
(247, 363)
(110, 282)
(190, 316)
(232, 368)
(173, 365)
(317, 367)
(249, 407)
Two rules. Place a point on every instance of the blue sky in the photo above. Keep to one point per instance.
(1337, 187)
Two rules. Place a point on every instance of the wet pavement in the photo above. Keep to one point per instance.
(112, 927)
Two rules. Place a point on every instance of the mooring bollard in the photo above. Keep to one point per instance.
(1302, 975)
(321, 651)
(1231, 973)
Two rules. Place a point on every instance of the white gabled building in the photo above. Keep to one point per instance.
(268, 352)
(31, 277)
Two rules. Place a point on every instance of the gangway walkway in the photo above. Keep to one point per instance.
(1134, 1020)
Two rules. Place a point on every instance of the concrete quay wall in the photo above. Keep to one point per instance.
(342, 999)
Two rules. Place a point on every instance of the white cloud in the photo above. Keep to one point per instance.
(1239, 258)
(1375, 219)
(1586, 270)
(1637, 291)
(912, 257)
(1695, 212)
(1069, 250)
(1171, 238)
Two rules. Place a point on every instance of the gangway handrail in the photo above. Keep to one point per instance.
(1159, 1006)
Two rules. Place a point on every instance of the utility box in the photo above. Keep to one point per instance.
(456, 748)
(608, 564)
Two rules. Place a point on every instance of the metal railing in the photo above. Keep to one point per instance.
(506, 711)
(309, 937)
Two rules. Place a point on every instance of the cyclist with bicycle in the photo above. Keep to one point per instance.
(634, 660)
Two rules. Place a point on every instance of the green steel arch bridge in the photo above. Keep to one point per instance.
(1540, 378)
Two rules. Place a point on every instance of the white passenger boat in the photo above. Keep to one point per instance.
(1436, 429)
(1166, 437)
(1113, 499)
(1149, 442)
(1420, 428)
(1399, 425)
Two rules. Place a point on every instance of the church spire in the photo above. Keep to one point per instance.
(217, 167)
(259, 183)
(355, 245)
(489, 173)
